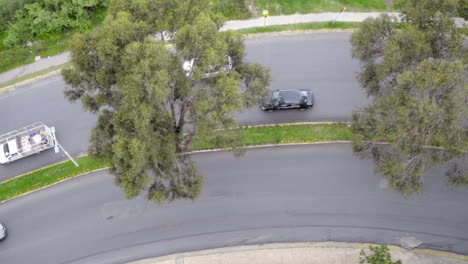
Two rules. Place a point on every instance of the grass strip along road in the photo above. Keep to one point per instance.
(301, 26)
(285, 133)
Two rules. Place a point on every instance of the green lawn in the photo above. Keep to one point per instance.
(253, 136)
(287, 7)
(285, 133)
(302, 26)
(47, 176)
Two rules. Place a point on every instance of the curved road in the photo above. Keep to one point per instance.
(320, 61)
(324, 193)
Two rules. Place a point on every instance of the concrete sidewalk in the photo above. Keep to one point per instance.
(301, 253)
(230, 25)
(302, 18)
(36, 66)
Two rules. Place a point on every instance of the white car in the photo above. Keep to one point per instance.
(3, 232)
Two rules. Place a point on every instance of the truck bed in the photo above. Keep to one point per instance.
(29, 140)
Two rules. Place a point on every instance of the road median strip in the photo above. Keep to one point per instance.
(254, 136)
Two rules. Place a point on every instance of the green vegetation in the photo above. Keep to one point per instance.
(141, 126)
(416, 77)
(302, 26)
(253, 135)
(378, 255)
(287, 7)
(47, 46)
(233, 9)
(8, 9)
(284, 133)
(48, 176)
(44, 17)
(34, 74)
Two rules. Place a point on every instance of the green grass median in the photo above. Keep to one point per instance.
(299, 27)
(47, 176)
(285, 133)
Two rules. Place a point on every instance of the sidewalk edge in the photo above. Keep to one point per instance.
(329, 244)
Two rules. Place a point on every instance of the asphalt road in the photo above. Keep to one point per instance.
(319, 61)
(277, 194)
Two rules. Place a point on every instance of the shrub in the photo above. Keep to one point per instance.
(45, 17)
(379, 255)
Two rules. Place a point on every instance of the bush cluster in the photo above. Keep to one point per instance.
(8, 9)
(233, 9)
(28, 19)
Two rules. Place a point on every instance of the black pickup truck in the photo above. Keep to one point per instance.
(288, 99)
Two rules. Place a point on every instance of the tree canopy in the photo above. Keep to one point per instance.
(416, 78)
(153, 101)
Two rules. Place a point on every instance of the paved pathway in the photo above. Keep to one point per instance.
(300, 253)
(300, 18)
(35, 67)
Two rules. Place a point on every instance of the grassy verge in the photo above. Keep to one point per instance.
(50, 45)
(47, 176)
(34, 74)
(286, 133)
(253, 136)
(301, 26)
(21, 55)
(286, 7)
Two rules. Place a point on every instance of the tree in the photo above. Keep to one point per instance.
(152, 101)
(379, 255)
(420, 98)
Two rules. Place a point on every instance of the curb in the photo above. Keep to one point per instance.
(179, 257)
(29, 81)
(268, 146)
(186, 153)
(45, 167)
(47, 186)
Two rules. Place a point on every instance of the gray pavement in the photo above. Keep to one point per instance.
(36, 66)
(272, 195)
(301, 253)
(319, 61)
(303, 18)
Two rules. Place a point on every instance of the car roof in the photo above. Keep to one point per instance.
(292, 90)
